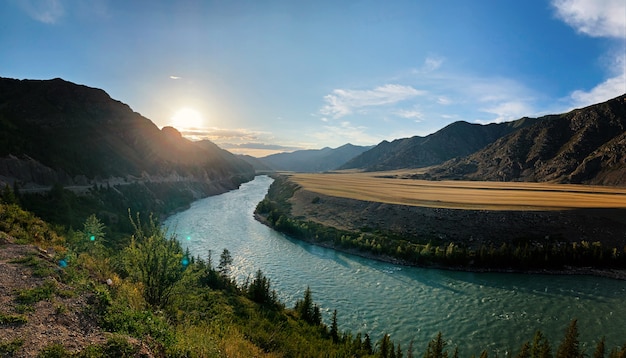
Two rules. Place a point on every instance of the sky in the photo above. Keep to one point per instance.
(265, 76)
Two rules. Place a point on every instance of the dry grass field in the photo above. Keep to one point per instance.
(387, 187)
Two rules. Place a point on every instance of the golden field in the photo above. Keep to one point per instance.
(387, 187)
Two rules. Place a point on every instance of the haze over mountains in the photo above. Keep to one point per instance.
(55, 131)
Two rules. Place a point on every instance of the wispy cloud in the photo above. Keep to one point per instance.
(46, 11)
(342, 102)
(606, 90)
(346, 132)
(175, 77)
(409, 114)
(432, 63)
(508, 110)
(595, 18)
(598, 19)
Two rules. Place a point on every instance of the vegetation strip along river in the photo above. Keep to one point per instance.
(498, 311)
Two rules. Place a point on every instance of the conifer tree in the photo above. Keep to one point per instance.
(436, 347)
(524, 351)
(367, 344)
(569, 348)
(600, 349)
(334, 330)
(225, 261)
(409, 351)
(541, 347)
(385, 347)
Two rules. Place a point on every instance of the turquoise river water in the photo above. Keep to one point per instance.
(474, 311)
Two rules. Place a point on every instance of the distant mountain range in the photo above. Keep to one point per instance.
(58, 132)
(457, 139)
(55, 131)
(309, 161)
(586, 145)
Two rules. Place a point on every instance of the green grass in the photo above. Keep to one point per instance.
(10, 348)
(34, 295)
(11, 319)
(40, 267)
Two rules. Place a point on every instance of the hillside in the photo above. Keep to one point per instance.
(586, 146)
(313, 160)
(455, 140)
(54, 131)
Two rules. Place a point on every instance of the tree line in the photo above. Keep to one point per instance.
(518, 254)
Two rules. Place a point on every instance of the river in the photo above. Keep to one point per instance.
(474, 311)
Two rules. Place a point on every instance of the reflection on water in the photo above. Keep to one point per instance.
(472, 310)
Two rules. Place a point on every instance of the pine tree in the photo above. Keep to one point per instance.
(225, 261)
(569, 348)
(541, 347)
(524, 351)
(334, 330)
(385, 347)
(600, 349)
(367, 344)
(409, 351)
(436, 347)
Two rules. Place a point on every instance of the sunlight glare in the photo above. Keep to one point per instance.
(187, 118)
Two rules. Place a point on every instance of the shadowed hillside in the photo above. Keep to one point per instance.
(55, 131)
(455, 140)
(586, 145)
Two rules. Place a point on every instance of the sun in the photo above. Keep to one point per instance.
(187, 118)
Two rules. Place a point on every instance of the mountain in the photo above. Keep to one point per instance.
(313, 160)
(455, 140)
(256, 163)
(585, 145)
(58, 132)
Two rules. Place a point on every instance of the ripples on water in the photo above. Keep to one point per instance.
(474, 311)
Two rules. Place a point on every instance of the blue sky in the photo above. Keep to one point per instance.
(263, 76)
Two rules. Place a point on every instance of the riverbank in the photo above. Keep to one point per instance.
(615, 274)
(553, 242)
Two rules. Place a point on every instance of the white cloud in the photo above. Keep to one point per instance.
(606, 90)
(175, 77)
(345, 132)
(46, 11)
(409, 114)
(343, 102)
(432, 63)
(606, 18)
(597, 18)
(508, 110)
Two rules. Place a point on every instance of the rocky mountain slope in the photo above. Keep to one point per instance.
(54, 131)
(586, 146)
(313, 160)
(455, 140)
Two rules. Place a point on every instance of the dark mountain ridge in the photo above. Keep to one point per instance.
(455, 140)
(54, 131)
(585, 146)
